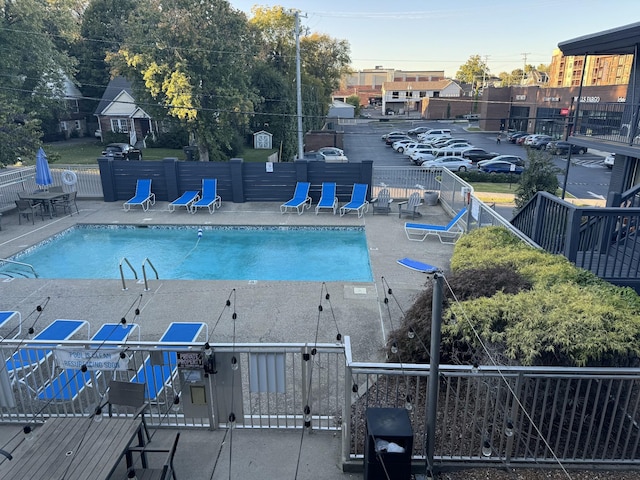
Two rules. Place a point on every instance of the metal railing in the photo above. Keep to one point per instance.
(614, 122)
(489, 416)
(275, 383)
(125, 261)
(144, 272)
(14, 181)
(498, 416)
(20, 264)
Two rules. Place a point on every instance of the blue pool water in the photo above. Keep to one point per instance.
(220, 253)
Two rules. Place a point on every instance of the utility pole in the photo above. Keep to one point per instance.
(524, 67)
(484, 71)
(299, 87)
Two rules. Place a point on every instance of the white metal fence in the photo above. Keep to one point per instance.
(14, 181)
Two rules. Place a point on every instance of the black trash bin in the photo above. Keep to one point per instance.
(390, 425)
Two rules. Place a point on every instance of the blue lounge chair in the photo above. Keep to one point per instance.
(358, 200)
(300, 200)
(143, 196)
(57, 331)
(6, 318)
(446, 233)
(328, 197)
(185, 200)
(417, 265)
(210, 198)
(156, 376)
(68, 384)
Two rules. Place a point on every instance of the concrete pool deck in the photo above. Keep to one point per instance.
(266, 311)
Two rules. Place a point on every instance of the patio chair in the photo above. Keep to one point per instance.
(417, 265)
(143, 196)
(300, 200)
(358, 200)
(448, 233)
(130, 396)
(410, 206)
(26, 208)
(382, 203)
(185, 200)
(328, 197)
(158, 370)
(70, 382)
(67, 202)
(6, 318)
(165, 473)
(210, 198)
(32, 357)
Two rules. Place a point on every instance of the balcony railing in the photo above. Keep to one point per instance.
(611, 122)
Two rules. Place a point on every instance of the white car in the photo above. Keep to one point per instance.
(430, 137)
(455, 147)
(456, 164)
(399, 145)
(333, 154)
(412, 147)
(609, 160)
(419, 155)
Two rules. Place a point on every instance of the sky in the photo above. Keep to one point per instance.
(429, 35)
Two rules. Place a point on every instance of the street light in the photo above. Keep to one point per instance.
(408, 97)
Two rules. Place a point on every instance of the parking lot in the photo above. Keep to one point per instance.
(588, 177)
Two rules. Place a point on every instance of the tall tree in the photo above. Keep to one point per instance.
(104, 25)
(473, 71)
(194, 59)
(33, 66)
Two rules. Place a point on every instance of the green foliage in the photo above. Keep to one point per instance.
(540, 176)
(114, 137)
(33, 35)
(355, 101)
(527, 307)
(176, 139)
(476, 176)
(472, 71)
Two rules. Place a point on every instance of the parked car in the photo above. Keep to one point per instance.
(476, 154)
(540, 142)
(500, 167)
(333, 154)
(422, 154)
(313, 156)
(122, 151)
(513, 136)
(609, 160)
(454, 147)
(386, 135)
(560, 147)
(456, 164)
(394, 138)
(522, 139)
(423, 137)
(445, 142)
(417, 130)
(503, 158)
(399, 145)
(412, 147)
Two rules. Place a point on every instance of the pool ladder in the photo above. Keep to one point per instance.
(146, 261)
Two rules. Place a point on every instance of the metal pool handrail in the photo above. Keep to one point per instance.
(144, 272)
(135, 274)
(20, 263)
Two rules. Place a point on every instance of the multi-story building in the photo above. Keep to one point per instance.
(598, 70)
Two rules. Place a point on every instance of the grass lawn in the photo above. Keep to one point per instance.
(84, 153)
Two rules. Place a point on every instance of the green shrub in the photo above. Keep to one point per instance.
(527, 307)
(475, 176)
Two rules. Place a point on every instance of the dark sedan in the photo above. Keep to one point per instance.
(512, 137)
(477, 154)
(122, 151)
(499, 166)
(562, 148)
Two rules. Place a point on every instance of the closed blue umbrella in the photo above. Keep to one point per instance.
(43, 173)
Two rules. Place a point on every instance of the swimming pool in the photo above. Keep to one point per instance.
(203, 253)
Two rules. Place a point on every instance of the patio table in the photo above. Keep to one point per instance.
(46, 198)
(74, 448)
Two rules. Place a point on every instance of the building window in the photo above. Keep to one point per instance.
(423, 94)
(395, 95)
(119, 125)
(63, 126)
(78, 126)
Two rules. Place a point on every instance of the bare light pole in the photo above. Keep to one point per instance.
(299, 87)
